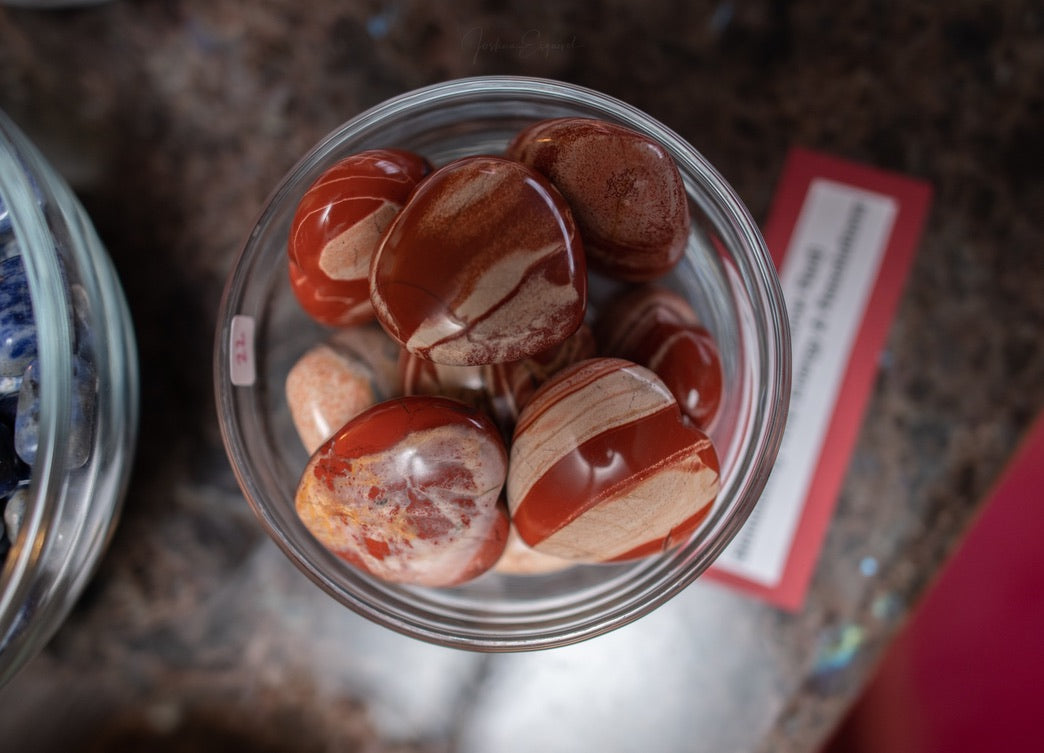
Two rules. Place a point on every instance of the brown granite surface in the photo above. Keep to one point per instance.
(174, 119)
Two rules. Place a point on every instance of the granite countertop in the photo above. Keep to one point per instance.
(173, 121)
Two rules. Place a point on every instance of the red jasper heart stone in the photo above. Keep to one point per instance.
(603, 467)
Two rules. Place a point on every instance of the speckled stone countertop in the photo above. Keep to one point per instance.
(173, 120)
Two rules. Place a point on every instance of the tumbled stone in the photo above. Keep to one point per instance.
(338, 379)
(410, 492)
(657, 328)
(603, 467)
(80, 438)
(482, 265)
(337, 226)
(624, 188)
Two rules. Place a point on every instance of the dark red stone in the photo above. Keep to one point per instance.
(336, 228)
(624, 188)
(657, 328)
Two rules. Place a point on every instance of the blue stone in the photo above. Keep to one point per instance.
(17, 326)
(81, 430)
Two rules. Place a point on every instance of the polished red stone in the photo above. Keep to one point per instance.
(603, 466)
(657, 328)
(337, 379)
(483, 265)
(500, 390)
(624, 188)
(337, 225)
(410, 491)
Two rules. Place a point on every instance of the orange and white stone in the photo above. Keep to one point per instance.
(603, 466)
(410, 491)
(337, 379)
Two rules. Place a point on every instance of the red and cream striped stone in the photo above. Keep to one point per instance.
(337, 226)
(603, 466)
(624, 188)
(482, 265)
(410, 491)
(334, 381)
(657, 328)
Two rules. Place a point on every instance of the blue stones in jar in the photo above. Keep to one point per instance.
(20, 389)
(17, 326)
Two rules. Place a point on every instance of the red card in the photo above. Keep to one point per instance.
(842, 236)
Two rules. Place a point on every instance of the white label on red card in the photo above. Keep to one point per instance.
(828, 272)
(843, 236)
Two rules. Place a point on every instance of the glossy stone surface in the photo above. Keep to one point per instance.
(17, 326)
(500, 390)
(603, 466)
(410, 491)
(337, 226)
(624, 188)
(657, 328)
(338, 379)
(483, 265)
(81, 422)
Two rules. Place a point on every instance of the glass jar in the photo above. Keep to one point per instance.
(80, 393)
(726, 274)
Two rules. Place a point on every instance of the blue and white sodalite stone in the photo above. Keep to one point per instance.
(17, 326)
(27, 419)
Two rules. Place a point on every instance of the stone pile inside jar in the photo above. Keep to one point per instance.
(470, 411)
(20, 387)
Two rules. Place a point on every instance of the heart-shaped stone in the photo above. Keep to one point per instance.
(410, 491)
(603, 466)
(482, 265)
